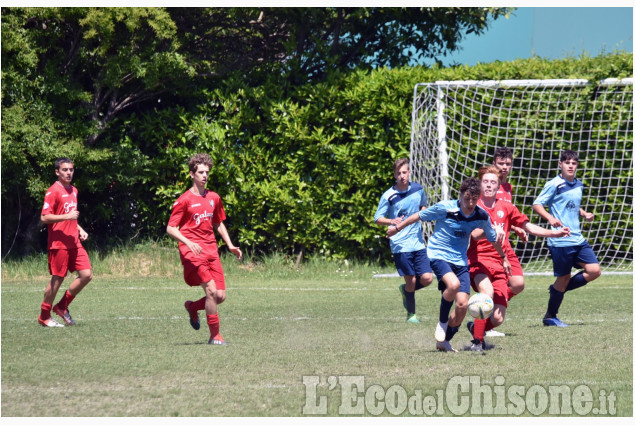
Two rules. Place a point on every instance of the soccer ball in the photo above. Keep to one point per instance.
(480, 306)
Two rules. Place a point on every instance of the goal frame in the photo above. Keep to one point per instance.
(433, 171)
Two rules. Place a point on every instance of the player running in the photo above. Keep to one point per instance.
(447, 250)
(65, 250)
(195, 216)
(563, 196)
(486, 270)
(407, 247)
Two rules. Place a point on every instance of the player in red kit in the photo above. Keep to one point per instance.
(65, 250)
(486, 269)
(195, 216)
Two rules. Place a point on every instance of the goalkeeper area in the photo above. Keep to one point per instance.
(457, 125)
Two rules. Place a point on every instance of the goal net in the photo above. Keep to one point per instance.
(457, 125)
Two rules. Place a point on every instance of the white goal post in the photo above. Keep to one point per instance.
(457, 125)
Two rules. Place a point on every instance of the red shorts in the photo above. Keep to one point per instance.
(61, 261)
(517, 270)
(497, 276)
(198, 269)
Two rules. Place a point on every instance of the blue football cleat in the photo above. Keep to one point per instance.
(554, 321)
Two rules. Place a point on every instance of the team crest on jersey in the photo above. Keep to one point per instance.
(500, 214)
(211, 203)
(571, 205)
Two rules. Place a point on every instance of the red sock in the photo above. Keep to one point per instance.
(45, 312)
(66, 300)
(488, 325)
(214, 325)
(510, 294)
(198, 305)
(479, 329)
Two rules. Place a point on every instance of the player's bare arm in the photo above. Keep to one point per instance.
(83, 235)
(383, 221)
(542, 212)
(56, 218)
(222, 231)
(506, 265)
(176, 234)
(586, 215)
(532, 229)
(393, 230)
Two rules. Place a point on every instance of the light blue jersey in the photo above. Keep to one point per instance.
(393, 204)
(563, 200)
(452, 231)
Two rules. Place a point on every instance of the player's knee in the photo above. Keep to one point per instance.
(426, 279)
(517, 286)
(220, 297)
(460, 304)
(593, 271)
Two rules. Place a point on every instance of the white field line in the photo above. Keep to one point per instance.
(291, 288)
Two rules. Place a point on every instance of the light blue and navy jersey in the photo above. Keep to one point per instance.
(393, 204)
(563, 200)
(452, 231)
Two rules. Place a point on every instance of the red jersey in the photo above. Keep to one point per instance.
(505, 191)
(61, 200)
(195, 216)
(503, 214)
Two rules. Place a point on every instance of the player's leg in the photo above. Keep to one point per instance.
(449, 285)
(562, 258)
(588, 262)
(58, 267)
(405, 264)
(50, 292)
(78, 260)
(460, 302)
(214, 295)
(482, 283)
(516, 280)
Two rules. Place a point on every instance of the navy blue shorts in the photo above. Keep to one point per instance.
(566, 257)
(413, 263)
(442, 267)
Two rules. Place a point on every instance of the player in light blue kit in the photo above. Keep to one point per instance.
(563, 196)
(447, 250)
(408, 248)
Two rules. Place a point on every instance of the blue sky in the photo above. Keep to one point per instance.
(549, 32)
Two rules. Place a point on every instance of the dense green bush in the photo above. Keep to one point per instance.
(300, 170)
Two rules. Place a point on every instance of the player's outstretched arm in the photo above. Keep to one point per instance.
(532, 229)
(222, 231)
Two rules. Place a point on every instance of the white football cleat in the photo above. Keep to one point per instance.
(49, 323)
(445, 346)
(439, 332)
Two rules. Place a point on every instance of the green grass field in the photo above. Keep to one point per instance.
(133, 352)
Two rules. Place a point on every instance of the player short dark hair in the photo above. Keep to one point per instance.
(471, 185)
(569, 154)
(503, 153)
(200, 159)
(62, 160)
(400, 163)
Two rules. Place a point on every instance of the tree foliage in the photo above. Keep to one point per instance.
(302, 142)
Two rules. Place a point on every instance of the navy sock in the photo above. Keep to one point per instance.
(555, 299)
(410, 301)
(444, 311)
(449, 334)
(576, 282)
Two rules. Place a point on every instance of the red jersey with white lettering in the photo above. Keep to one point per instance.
(505, 191)
(503, 214)
(195, 216)
(61, 200)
